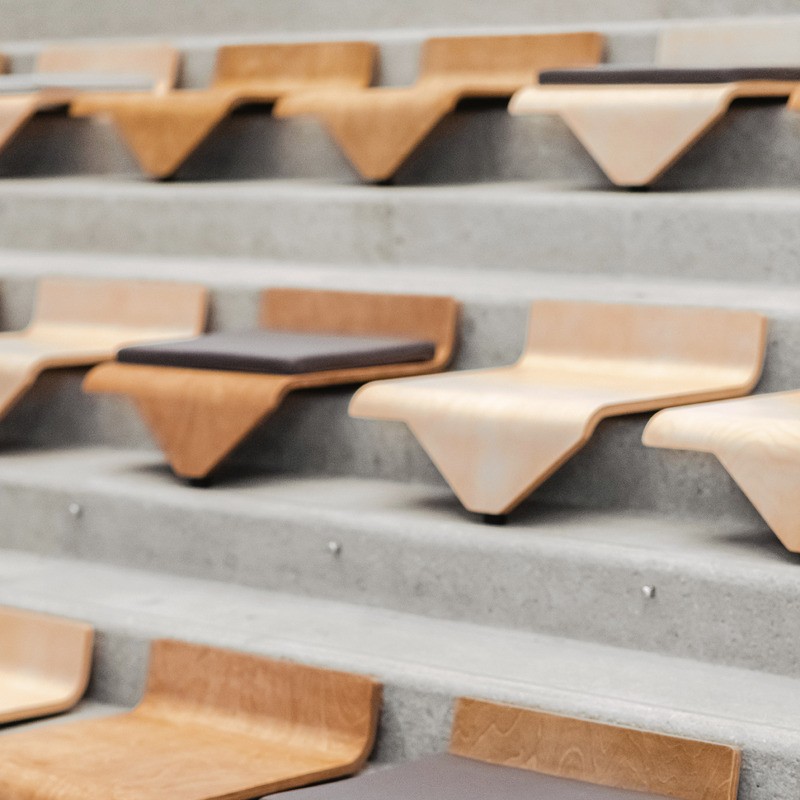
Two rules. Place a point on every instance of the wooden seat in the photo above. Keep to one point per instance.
(636, 132)
(378, 128)
(45, 664)
(499, 751)
(199, 415)
(74, 65)
(497, 434)
(78, 323)
(213, 725)
(757, 440)
(163, 131)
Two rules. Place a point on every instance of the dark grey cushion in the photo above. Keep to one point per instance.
(446, 777)
(278, 352)
(612, 73)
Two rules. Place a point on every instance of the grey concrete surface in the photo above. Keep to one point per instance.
(426, 663)
(726, 590)
(743, 235)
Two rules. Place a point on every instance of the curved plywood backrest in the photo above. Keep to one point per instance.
(45, 663)
(288, 704)
(650, 337)
(317, 311)
(160, 62)
(506, 60)
(141, 305)
(606, 755)
(736, 44)
(297, 66)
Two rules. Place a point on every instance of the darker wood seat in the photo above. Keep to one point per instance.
(449, 777)
(615, 74)
(279, 352)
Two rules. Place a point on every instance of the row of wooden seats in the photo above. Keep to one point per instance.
(634, 122)
(217, 725)
(494, 434)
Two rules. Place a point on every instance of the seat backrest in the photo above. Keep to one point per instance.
(739, 44)
(362, 314)
(177, 309)
(54, 649)
(296, 66)
(158, 62)
(508, 61)
(296, 706)
(649, 337)
(606, 755)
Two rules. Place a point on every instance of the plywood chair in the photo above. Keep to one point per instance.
(213, 725)
(45, 663)
(497, 434)
(636, 123)
(378, 128)
(77, 323)
(198, 415)
(64, 71)
(523, 754)
(164, 131)
(756, 439)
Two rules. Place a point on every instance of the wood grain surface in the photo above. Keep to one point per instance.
(81, 322)
(213, 725)
(199, 416)
(756, 439)
(45, 663)
(497, 434)
(379, 127)
(163, 130)
(607, 755)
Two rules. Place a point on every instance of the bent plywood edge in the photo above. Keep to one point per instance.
(497, 434)
(378, 128)
(213, 725)
(157, 62)
(79, 322)
(198, 416)
(162, 131)
(593, 752)
(756, 439)
(635, 133)
(45, 663)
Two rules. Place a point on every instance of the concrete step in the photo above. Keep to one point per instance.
(744, 235)
(725, 589)
(58, 19)
(423, 663)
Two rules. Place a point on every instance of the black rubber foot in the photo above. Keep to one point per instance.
(384, 182)
(200, 483)
(494, 519)
(645, 188)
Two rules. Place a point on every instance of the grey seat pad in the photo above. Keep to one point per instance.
(278, 352)
(644, 74)
(446, 777)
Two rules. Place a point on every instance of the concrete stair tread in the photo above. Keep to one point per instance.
(402, 647)
(728, 586)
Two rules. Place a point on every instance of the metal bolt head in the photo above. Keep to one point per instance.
(334, 548)
(649, 591)
(75, 509)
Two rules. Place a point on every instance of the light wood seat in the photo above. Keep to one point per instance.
(757, 440)
(379, 127)
(636, 132)
(163, 131)
(73, 66)
(77, 323)
(213, 725)
(45, 663)
(497, 434)
(199, 415)
(499, 751)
